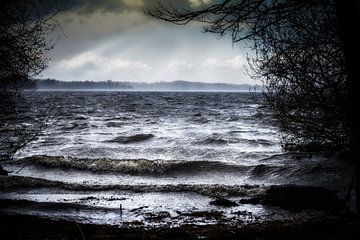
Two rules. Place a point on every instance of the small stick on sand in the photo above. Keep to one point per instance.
(120, 209)
(82, 234)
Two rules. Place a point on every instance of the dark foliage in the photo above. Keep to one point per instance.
(25, 27)
(301, 61)
(306, 53)
(299, 58)
(20, 124)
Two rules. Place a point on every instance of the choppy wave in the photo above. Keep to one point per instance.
(122, 118)
(115, 124)
(131, 166)
(153, 124)
(132, 139)
(263, 142)
(183, 175)
(158, 168)
(216, 139)
(212, 141)
(8, 182)
(79, 125)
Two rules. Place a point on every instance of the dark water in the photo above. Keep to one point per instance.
(168, 126)
(168, 151)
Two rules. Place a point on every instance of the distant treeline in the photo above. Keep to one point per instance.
(56, 84)
(51, 84)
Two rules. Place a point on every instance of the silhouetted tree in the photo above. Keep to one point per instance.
(25, 27)
(306, 54)
(301, 62)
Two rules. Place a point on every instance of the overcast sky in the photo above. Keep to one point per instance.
(113, 39)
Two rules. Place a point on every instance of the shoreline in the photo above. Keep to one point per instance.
(299, 212)
(30, 227)
(167, 206)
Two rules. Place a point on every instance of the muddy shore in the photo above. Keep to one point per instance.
(299, 212)
(27, 227)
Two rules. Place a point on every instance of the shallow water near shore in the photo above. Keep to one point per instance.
(144, 209)
(162, 157)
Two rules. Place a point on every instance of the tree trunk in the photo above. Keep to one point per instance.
(348, 27)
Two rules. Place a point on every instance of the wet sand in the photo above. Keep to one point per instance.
(299, 212)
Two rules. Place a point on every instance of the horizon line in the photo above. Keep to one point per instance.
(159, 81)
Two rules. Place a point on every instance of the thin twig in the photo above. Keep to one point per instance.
(82, 234)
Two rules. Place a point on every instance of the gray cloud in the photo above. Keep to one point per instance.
(117, 6)
(93, 6)
(113, 39)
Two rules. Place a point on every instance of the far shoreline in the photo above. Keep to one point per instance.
(144, 90)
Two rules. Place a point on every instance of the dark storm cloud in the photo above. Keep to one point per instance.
(88, 7)
(93, 6)
(118, 6)
(114, 39)
(81, 20)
